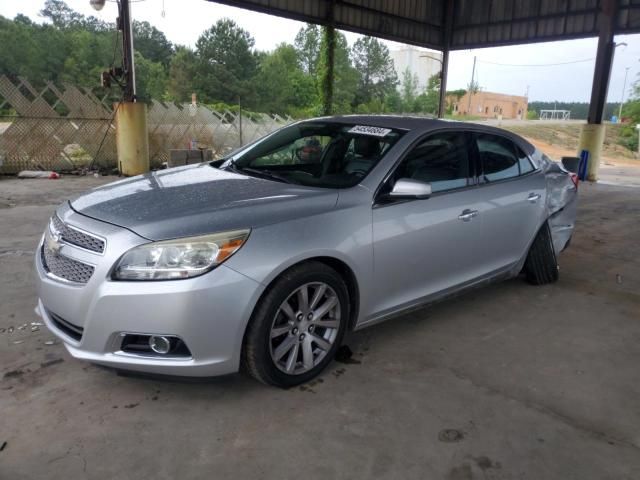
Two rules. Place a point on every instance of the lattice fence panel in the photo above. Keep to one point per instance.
(67, 127)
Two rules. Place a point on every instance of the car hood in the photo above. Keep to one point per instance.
(199, 199)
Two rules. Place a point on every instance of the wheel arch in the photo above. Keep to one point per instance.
(337, 264)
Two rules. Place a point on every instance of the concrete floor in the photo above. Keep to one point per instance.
(507, 382)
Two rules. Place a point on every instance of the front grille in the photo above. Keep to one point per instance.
(65, 267)
(75, 237)
(69, 328)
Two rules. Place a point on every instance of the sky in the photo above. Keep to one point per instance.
(182, 21)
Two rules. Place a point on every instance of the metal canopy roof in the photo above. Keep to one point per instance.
(466, 23)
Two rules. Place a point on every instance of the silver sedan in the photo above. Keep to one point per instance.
(263, 260)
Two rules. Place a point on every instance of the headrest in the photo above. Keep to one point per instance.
(366, 146)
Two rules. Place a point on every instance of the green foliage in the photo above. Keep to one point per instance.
(224, 68)
(378, 78)
(532, 115)
(458, 94)
(152, 43)
(64, 17)
(631, 111)
(326, 71)
(428, 101)
(281, 85)
(307, 45)
(346, 77)
(151, 79)
(182, 70)
(473, 87)
(409, 88)
(226, 63)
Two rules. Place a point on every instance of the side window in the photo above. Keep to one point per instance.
(441, 160)
(525, 163)
(498, 157)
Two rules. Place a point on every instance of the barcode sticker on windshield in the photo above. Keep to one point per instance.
(375, 131)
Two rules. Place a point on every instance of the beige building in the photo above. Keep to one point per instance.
(491, 105)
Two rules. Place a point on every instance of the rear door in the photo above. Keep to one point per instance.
(425, 246)
(512, 205)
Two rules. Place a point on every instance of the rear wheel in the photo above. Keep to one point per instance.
(541, 266)
(297, 326)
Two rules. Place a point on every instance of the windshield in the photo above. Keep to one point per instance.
(318, 154)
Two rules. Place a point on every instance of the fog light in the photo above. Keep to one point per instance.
(159, 344)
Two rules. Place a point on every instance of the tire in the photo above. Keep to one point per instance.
(275, 328)
(541, 266)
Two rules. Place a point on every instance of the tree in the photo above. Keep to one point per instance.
(152, 43)
(281, 84)
(62, 16)
(631, 111)
(347, 77)
(378, 77)
(226, 63)
(473, 87)
(151, 78)
(409, 88)
(182, 70)
(307, 45)
(429, 100)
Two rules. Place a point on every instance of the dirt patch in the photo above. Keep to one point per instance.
(562, 140)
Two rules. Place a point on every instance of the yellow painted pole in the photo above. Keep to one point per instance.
(132, 139)
(592, 139)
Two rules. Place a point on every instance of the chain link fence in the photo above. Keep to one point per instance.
(66, 128)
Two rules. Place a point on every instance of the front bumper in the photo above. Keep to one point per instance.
(209, 313)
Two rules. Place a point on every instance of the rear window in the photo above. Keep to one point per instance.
(501, 159)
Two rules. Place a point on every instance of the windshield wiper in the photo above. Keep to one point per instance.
(261, 173)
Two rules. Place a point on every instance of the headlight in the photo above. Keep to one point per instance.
(179, 258)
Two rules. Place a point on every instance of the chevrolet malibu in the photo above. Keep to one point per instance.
(263, 260)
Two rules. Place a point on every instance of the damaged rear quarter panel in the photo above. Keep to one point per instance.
(562, 200)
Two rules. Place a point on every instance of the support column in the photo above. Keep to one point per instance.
(132, 138)
(327, 73)
(444, 68)
(592, 135)
(442, 103)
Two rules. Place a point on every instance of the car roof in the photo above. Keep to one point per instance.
(426, 124)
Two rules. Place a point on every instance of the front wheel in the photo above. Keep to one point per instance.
(297, 326)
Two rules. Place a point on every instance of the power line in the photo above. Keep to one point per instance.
(537, 64)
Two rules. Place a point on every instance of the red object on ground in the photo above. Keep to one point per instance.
(575, 179)
(54, 176)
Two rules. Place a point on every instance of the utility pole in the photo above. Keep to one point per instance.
(471, 86)
(132, 138)
(624, 87)
(124, 25)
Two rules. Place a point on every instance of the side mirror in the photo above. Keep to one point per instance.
(409, 188)
(571, 163)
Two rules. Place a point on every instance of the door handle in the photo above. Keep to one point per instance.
(533, 197)
(467, 215)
